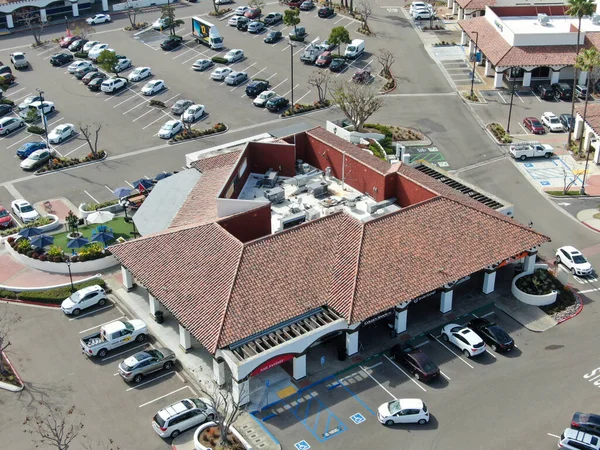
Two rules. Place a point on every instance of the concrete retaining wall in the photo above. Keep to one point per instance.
(535, 300)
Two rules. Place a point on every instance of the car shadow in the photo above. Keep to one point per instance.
(440, 382)
(433, 424)
(514, 353)
(484, 359)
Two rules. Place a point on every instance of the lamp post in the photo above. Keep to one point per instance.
(66, 24)
(587, 150)
(44, 116)
(292, 70)
(129, 219)
(512, 96)
(68, 261)
(474, 61)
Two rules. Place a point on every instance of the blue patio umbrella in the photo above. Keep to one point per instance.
(162, 176)
(77, 242)
(30, 232)
(121, 192)
(42, 240)
(146, 184)
(103, 237)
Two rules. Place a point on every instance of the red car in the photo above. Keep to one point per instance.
(295, 3)
(253, 13)
(534, 125)
(5, 218)
(67, 40)
(324, 59)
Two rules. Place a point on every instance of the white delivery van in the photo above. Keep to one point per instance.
(355, 49)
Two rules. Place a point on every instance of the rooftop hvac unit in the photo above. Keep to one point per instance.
(543, 19)
(293, 219)
(305, 168)
(275, 195)
(312, 214)
(317, 189)
(596, 19)
(379, 205)
(351, 201)
(270, 178)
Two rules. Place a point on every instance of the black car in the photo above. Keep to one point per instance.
(276, 103)
(417, 363)
(337, 64)
(95, 84)
(562, 91)
(326, 12)
(171, 42)
(272, 37)
(306, 5)
(79, 46)
(4, 109)
(242, 23)
(60, 59)
(256, 87)
(545, 91)
(586, 422)
(568, 121)
(79, 74)
(492, 334)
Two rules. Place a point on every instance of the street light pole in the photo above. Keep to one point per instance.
(512, 96)
(44, 117)
(292, 71)
(68, 261)
(587, 151)
(474, 61)
(66, 24)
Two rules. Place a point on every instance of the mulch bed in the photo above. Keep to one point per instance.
(8, 376)
(210, 438)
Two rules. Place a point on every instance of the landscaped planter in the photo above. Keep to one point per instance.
(199, 446)
(83, 213)
(76, 163)
(11, 381)
(529, 298)
(180, 137)
(44, 228)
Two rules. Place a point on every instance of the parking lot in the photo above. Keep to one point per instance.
(48, 356)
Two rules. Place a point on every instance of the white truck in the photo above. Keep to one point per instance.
(113, 335)
(355, 49)
(526, 150)
(206, 33)
(310, 54)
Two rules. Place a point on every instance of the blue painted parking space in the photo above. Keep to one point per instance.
(316, 417)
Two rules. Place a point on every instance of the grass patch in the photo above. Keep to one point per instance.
(50, 296)
(119, 226)
(597, 216)
(562, 194)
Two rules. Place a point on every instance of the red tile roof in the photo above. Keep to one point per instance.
(476, 5)
(592, 115)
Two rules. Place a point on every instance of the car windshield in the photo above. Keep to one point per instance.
(429, 366)
(155, 354)
(199, 403)
(167, 126)
(217, 40)
(554, 120)
(19, 57)
(128, 326)
(536, 123)
(394, 406)
(3, 213)
(26, 208)
(159, 420)
(499, 334)
(76, 297)
(35, 157)
(579, 259)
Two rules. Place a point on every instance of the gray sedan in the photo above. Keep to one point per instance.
(143, 363)
(180, 106)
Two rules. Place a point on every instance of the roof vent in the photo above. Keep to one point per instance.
(317, 189)
(596, 19)
(543, 19)
(275, 195)
(270, 178)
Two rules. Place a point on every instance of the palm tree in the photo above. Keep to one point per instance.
(579, 9)
(586, 62)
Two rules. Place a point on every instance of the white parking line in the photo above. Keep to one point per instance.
(124, 101)
(538, 99)
(382, 386)
(339, 20)
(25, 96)
(136, 106)
(295, 87)
(147, 112)
(90, 196)
(123, 352)
(74, 150)
(285, 48)
(14, 92)
(181, 54)
(271, 76)
(152, 123)
(279, 84)
(166, 395)
(524, 129)
(149, 381)
(451, 351)
(102, 324)
(17, 143)
(490, 353)
(57, 120)
(169, 99)
(445, 376)
(407, 375)
(93, 312)
(519, 97)
(301, 50)
(298, 101)
(253, 76)
(503, 99)
(553, 435)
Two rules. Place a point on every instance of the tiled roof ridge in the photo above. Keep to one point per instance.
(357, 266)
(228, 302)
(221, 160)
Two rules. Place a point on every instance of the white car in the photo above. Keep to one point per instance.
(234, 55)
(552, 122)
(573, 260)
(464, 338)
(183, 415)
(122, 65)
(236, 78)
(89, 45)
(152, 87)
(160, 23)
(98, 18)
(403, 410)
(78, 65)
(170, 129)
(220, 73)
(193, 113)
(233, 21)
(28, 101)
(140, 73)
(272, 18)
(263, 98)
(84, 298)
(37, 158)
(97, 49)
(223, 2)
(255, 27)
(61, 132)
(112, 85)
(241, 10)
(202, 64)
(39, 108)
(24, 211)
(574, 439)
(419, 14)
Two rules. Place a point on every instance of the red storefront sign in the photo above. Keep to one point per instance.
(273, 362)
(513, 259)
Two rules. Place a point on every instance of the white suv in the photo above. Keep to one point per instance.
(552, 122)
(578, 440)
(84, 298)
(464, 338)
(183, 415)
(573, 260)
(113, 84)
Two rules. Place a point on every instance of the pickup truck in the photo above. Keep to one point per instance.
(530, 150)
(310, 54)
(113, 335)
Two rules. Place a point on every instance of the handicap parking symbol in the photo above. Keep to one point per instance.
(357, 418)
(302, 445)
(528, 164)
(545, 183)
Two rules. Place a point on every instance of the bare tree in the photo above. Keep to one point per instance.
(320, 80)
(386, 59)
(132, 11)
(33, 21)
(364, 9)
(7, 320)
(88, 134)
(227, 410)
(54, 427)
(256, 4)
(357, 101)
(83, 29)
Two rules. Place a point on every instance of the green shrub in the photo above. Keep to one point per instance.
(295, 38)
(37, 223)
(219, 60)
(7, 101)
(157, 103)
(35, 129)
(81, 55)
(193, 133)
(97, 206)
(51, 296)
(23, 246)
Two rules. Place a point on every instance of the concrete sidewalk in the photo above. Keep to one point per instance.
(587, 218)
(531, 317)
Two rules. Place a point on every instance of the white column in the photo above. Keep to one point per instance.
(582, 78)
(9, 21)
(299, 367)
(471, 48)
(219, 372)
(555, 77)
(489, 282)
(446, 301)
(400, 321)
(104, 5)
(489, 70)
(75, 8)
(526, 79)
(127, 278)
(241, 392)
(596, 156)
(351, 343)
(529, 263)
(461, 13)
(154, 305)
(449, 4)
(454, 6)
(43, 15)
(578, 128)
(185, 340)
(587, 136)
(463, 38)
(498, 79)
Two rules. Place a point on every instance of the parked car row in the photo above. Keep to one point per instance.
(561, 91)
(549, 121)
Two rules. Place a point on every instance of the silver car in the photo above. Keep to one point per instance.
(143, 363)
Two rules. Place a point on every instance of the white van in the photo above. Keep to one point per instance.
(355, 49)
(113, 84)
(37, 106)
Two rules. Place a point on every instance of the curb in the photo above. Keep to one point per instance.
(87, 163)
(183, 141)
(10, 387)
(281, 116)
(591, 227)
(576, 313)
(25, 302)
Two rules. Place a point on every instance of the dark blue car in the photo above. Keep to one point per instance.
(27, 149)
